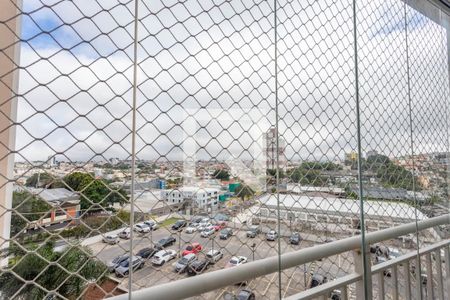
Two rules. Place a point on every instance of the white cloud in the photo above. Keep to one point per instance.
(221, 57)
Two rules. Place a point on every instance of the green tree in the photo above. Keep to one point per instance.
(221, 174)
(94, 191)
(43, 180)
(27, 208)
(244, 191)
(390, 174)
(307, 177)
(33, 267)
(273, 173)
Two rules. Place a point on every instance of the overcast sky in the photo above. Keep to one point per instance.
(213, 62)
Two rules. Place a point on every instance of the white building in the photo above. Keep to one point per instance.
(205, 198)
(343, 213)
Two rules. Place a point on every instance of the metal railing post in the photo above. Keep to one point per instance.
(440, 287)
(429, 289)
(9, 71)
(358, 260)
(447, 268)
(407, 271)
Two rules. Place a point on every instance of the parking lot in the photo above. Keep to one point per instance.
(293, 280)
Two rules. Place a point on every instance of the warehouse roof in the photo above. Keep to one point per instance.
(339, 206)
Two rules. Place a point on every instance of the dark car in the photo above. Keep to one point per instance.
(335, 295)
(246, 295)
(179, 225)
(165, 242)
(226, 233)
(295, 238)
(198, 267)
(317, 280)
(253, 231)
(146, 252)
(124, 268)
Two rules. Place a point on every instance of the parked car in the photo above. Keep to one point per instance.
(214, 256)
(226, 233)
(253, 231)
(111, 239)
(382, 259)
(123, 268)
(393, 253)
(208, 232)
(125, 234)
(317, 280)
(295, 238)
(141, 228)
(191, 229)
(179, 225)
(152, 225)
(272, 235)
(335, 295)
(163, 256)
(197, 267)
(165, 242)
(203, 226)
(184, 262)
(196, 220)
(192, 248)
(374, 248)
(382, 250)
(246, 294)
(204, 220)
(219, 226)
(236, 261)
(146, 252)
(111, 265)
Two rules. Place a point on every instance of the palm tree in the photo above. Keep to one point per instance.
(32, 266)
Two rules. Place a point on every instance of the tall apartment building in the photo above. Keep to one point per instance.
(272, 151)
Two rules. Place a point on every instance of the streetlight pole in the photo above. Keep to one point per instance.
(304, 275)
(253, 251)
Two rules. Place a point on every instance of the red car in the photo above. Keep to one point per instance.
(219, 226)
(192, 248)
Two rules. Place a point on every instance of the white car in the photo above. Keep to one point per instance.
(125, 234)
(190, 229)
(163, 256)
(236, 261)
(203, 226)
(111, 239)
(208, 232)
(141, 228)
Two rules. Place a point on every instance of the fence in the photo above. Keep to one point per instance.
(292, 123)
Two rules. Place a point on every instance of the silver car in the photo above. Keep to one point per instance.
(184, 262)
(152, 225)
(123, 268)
(112, 265)
(208, 232)
(111, 239)
(214, 256)
(141, 228)
(125, 234)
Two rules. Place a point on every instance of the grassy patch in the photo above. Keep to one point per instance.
(168, 222)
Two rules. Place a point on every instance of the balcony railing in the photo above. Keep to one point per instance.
(435, 279)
